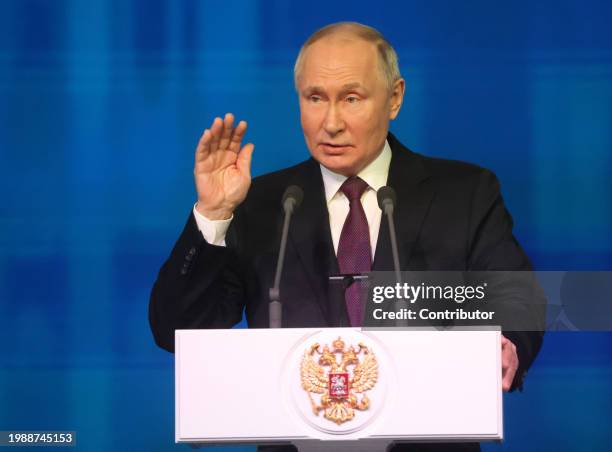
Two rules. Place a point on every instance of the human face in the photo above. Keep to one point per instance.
(345, 103)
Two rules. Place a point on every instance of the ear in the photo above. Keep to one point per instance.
(397, 97)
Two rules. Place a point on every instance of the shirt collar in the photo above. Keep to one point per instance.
(375, 174)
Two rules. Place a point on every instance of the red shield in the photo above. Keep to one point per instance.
(338, 384)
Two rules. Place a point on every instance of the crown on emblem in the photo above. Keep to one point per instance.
(338, 345)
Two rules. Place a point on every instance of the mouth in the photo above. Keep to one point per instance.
(334, 148)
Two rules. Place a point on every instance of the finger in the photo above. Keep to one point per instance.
(508, 377)
(244, 159)
(239, 132)
(203, 148)
(216, 130)
(509, 363)
(228, 128)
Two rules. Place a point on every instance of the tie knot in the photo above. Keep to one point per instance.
(353, 188)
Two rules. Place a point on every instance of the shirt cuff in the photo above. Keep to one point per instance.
(214, 231)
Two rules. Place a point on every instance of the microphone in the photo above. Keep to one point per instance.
(386, 201)
(291, 200)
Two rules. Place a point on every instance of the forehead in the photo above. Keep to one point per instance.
(340, 60)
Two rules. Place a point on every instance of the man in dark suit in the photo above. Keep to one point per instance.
(449, 215)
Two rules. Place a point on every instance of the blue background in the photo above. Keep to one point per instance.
(102, 103)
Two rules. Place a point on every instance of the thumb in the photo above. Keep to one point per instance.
(244, 159)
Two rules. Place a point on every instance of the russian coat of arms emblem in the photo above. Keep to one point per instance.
(337, 379)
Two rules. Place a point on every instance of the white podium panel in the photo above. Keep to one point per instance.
(248, 386)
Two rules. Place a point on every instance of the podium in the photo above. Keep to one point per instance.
(337, 388)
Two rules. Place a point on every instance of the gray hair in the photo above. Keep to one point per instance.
(387, 56)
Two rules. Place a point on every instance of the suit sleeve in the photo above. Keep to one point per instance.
(199, 286)
(493, 248)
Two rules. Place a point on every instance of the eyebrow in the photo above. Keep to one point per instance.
(350, 86)
(345, 87)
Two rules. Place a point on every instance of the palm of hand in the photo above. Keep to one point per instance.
(220, 181)
(222, 169)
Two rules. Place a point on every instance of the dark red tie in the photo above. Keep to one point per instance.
(354, 250)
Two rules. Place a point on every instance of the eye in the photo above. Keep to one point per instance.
(352, 99)
(315, 98)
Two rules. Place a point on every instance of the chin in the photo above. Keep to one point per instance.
(339, 166)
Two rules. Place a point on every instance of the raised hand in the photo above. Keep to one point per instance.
(222, 169)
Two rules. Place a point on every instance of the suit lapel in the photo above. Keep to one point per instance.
(415, 192)
(310, 235)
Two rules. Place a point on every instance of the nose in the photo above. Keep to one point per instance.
(333, 123)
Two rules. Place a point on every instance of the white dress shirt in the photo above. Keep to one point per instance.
(375, 175)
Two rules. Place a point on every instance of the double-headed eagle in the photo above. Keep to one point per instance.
(339, 376)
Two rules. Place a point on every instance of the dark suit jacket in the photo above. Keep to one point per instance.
(449, 216)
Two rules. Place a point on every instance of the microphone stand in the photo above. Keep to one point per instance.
(386, 201)
(291, 200)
